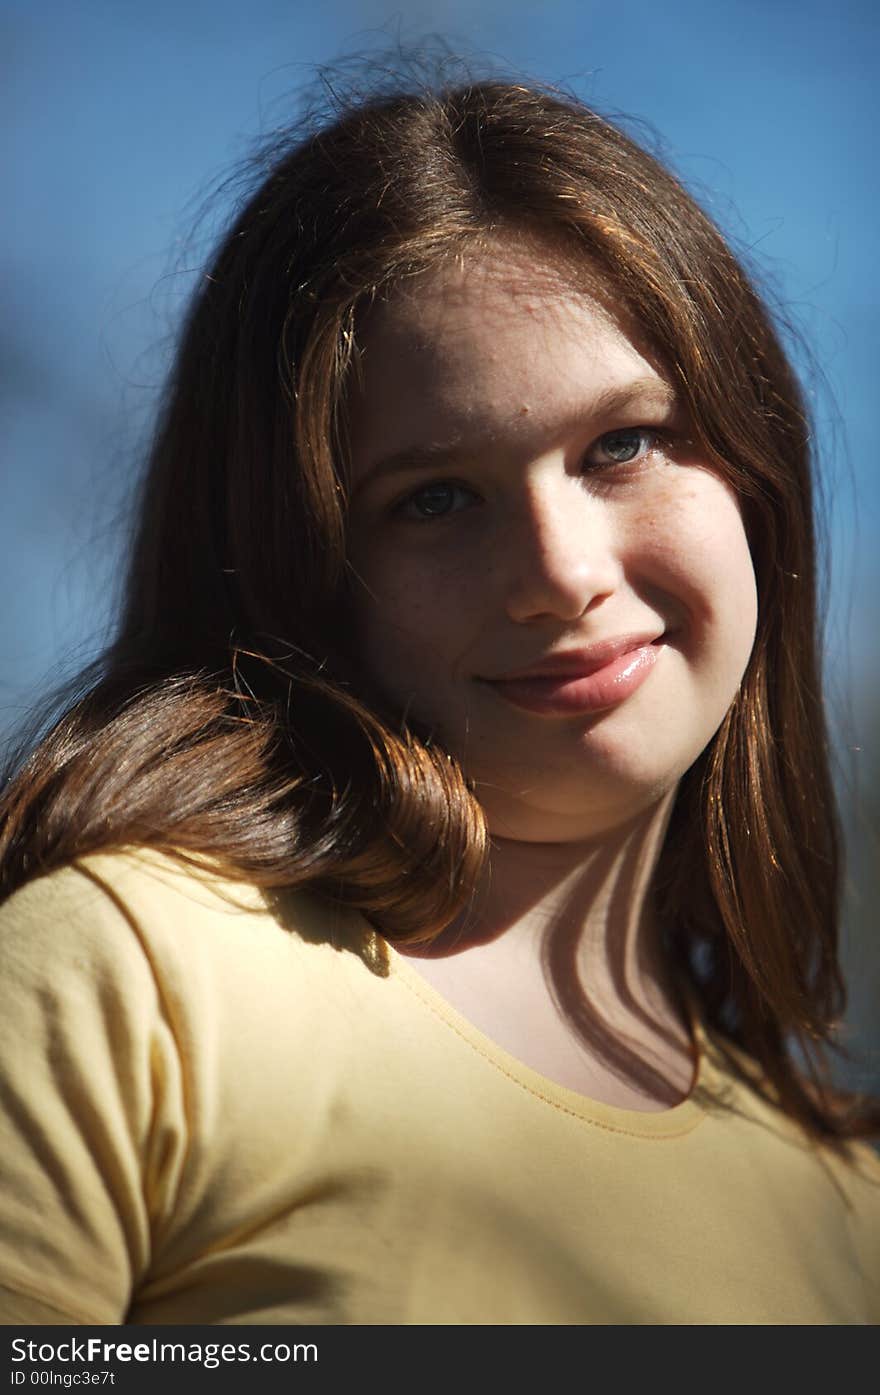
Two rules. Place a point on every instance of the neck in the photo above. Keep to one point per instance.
(584, 905)
(558, 957)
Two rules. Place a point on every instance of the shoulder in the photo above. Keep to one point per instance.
(751, 1115)
(85, 978)
(187, 943)
(158, 1027)
(138, 899)
(91, 1081)
(62, 931)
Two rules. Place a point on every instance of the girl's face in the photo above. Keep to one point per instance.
(524, 495)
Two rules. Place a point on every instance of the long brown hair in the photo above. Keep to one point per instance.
(229, 719)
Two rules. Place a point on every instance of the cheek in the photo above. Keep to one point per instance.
(698, 540)
(412, 623)
(717, 583)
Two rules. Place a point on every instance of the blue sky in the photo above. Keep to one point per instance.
(119, 116)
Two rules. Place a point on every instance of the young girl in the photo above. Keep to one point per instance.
(427, 910)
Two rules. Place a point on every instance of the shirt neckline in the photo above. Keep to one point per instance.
(679, 1119)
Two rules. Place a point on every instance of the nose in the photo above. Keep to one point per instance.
(559, 559)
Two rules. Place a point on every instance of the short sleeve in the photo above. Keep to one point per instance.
(92, 1120)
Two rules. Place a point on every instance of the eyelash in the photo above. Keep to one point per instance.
(657, 438)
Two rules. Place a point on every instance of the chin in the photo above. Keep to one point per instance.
(550, 815)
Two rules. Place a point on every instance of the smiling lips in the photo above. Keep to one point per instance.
(584, 680)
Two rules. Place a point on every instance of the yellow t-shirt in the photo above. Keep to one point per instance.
(261, 1114)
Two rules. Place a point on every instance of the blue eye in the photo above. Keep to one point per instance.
(435, 500)
(622, 446)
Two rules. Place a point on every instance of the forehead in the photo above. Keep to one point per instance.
(502, 288)
(499, 340)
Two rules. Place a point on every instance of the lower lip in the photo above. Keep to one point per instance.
(571, 694)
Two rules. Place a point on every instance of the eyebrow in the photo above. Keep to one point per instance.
(653, 392)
